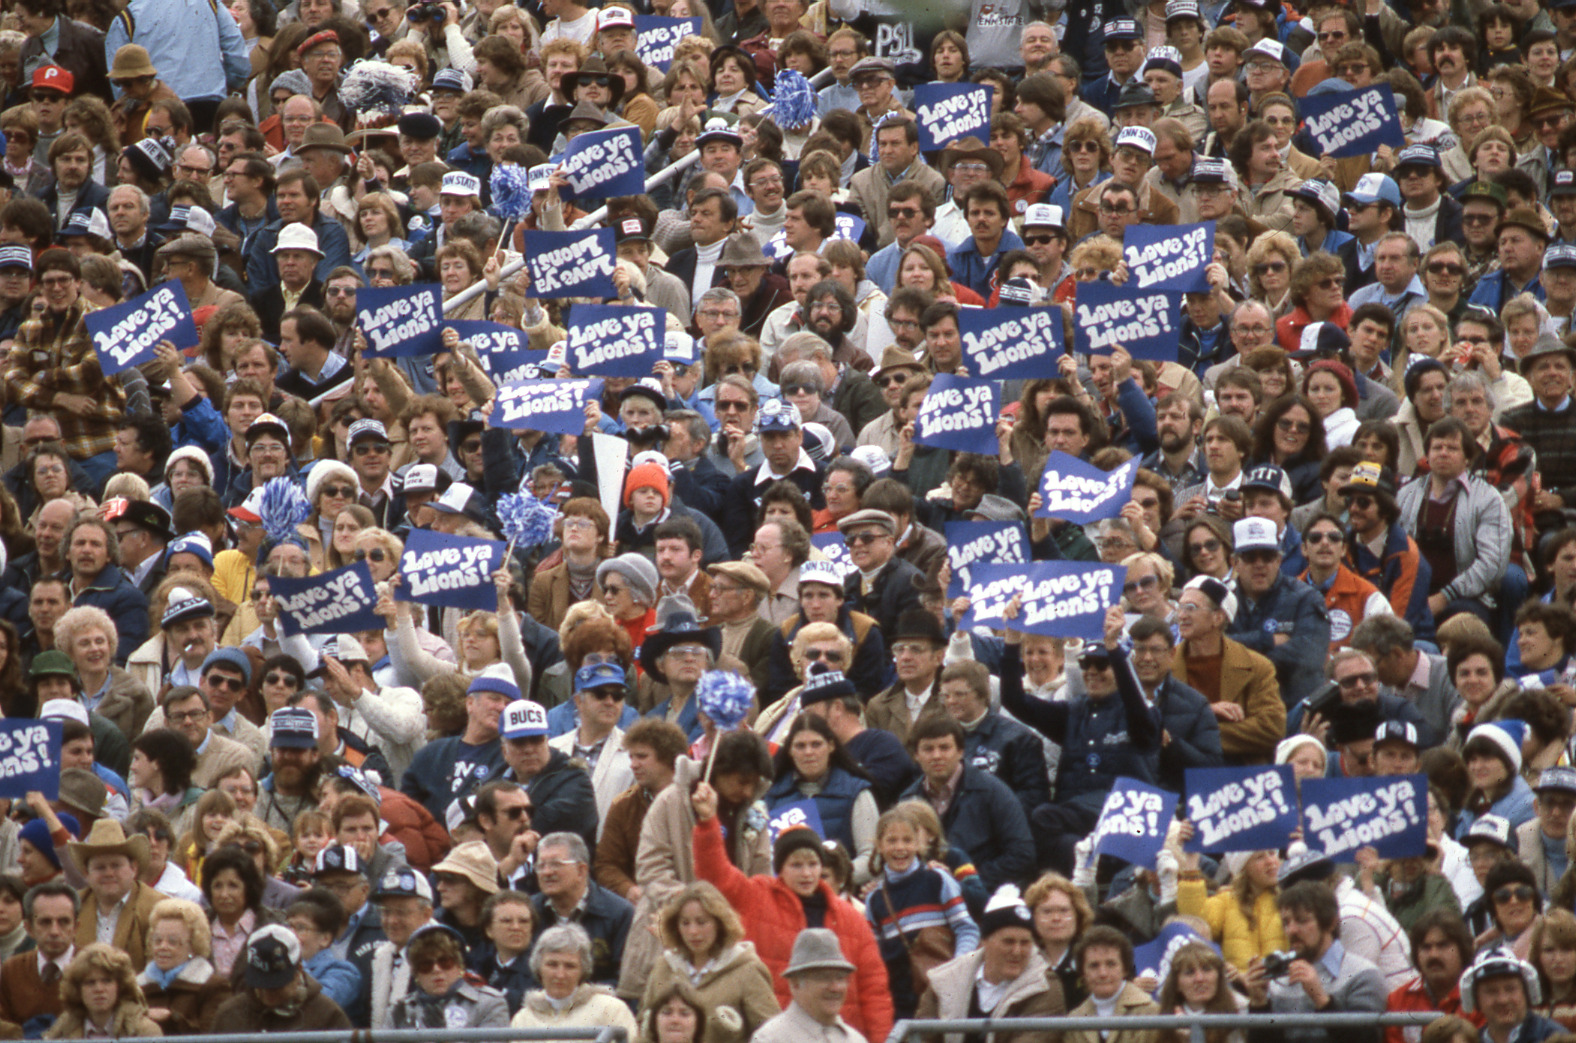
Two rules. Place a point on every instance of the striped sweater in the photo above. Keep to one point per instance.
(907, 903)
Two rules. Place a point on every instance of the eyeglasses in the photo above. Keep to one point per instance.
(831, 655)
(340, 491)
(1259, 557)
(1117, 211)
(738, 367)
(471, 445)
(229, 684)
(1550, 121)
(1514, 892)
(1333, 36)
(1269, 266)
(1350, 681)
(186, 715)
(1332, 283)
(757, 549)
(368, 448)
(1146, 583)
(863, 539)
(1479, 219)
(614, 589)
(194, 171)
(1293, 427)
(903, 324)
(268, 449)
(377, 554)
(288, 679)
(688, 653)
(1313, 539)
(1252, 330)
(888, 379)
(1092, 665)
(801, 389)
(728, 405)
(767, 182)
(1205, 547)
(340, 291)
(1362, 503)
(1445, 268)
(1081, 146)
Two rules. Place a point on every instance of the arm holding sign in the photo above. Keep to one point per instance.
(391, 383)
(1143, 724)
(1047, 718)
(1134, 405)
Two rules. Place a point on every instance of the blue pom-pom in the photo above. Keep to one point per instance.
(526, 520)
(511, 191)
(284, 506)
(881, 120)
(793, 101)
(725, 697)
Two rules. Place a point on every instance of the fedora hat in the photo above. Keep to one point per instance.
(972, 148)
(108, 838)
(742, 251)
(589, 69)
(1547, 344)
(678, 622)
(324, 135)
(130, 62)
(585, 112)
(816, 949)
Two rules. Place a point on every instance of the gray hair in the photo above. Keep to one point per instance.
(574, 843)
(1350, 652)
(1236, 313)
(803, 345)
(722, 294)
(695, 424)
(807, 373)
(1381, 635)
(504, 116)
(565, 937)
(1470, 380)
(404, 268)
(137, 193)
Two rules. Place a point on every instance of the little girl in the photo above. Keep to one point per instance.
(313, 831)
(917, 911)
(214, 809)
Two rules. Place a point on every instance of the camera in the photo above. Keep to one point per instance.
(1324, 699)
(1276, 964)
(424, 12)
(653, 437)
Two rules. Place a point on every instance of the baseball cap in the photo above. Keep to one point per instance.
(1255, 534)
(1376, 188)
(273, 957)
(523, 719)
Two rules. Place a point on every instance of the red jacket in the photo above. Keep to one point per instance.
(1347, 603)
(1414, 997)
(425, 840)
(773, 917)
(1029, 186)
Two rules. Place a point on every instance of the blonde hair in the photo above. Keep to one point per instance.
(74, 622)
(812, 632)
(1041, 889)
(189, 913)
(729, 928)
(108, 960)
(129, 486)
(250, 828)
(1279, 244)
(1162, 567)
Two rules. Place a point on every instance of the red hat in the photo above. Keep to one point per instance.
(53, 78)
(326, 36)
(1339, 371)
(936, 245)
(647, 474)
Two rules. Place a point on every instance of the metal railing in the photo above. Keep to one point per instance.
(604, 1034)
(907, 1030)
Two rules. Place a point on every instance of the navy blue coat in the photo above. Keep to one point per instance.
(1014, 754)
(606, 918)
(1293, 608)
(986, 820)
(1193, 730)
(126, 605)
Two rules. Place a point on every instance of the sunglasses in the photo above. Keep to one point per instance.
(288, 679)
(1147, 583)
(888, 379)
(1362, 503)
(1516, 892)
(1090, 665)
(339, 490)
(830, 655)
(1039, 240)
(1294, 427)
(1315, 538)
(860, 539)
(1258, 557)
(426, 966)
(1269, 266)
(800, 389)
(1351, 681)
(367, 448)
(1206, 547)
(1081, 146)
(1444, 268)
(229, 684)
(376, 554)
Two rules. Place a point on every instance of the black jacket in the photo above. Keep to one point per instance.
(739, 506)
(1192, 733)
(81, 53)
(1356, 275)
(270, 306)
(1014, 754)
(90, 195)
(891, 594)
(561, 798)
(606, 918)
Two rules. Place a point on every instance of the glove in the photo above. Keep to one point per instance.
(1083, 872)
(1166, 868)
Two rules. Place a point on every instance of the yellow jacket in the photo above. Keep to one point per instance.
(1240, 939)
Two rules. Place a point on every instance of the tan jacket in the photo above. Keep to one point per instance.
(1036, 993)
(1153, 209)
(736, 990)
(889, 710)
(131, 929)
(1130, 1002)
(1270, 205)
(1247, 679)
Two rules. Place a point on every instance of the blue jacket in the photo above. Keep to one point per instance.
(561, 797)
(340, 979)
(688, 720)
(1102, 740)
(195, 44)
(513, 979)
(126, 605)
(884, 759)
(1289, 607)
(835, 802)
(606, 918)
(986, 820)
(1494, 289)
(448, 768)
(1134, 427)
(263, 274)
(1014, 754)
(1195, 734)
(202, 426)
(974, 270)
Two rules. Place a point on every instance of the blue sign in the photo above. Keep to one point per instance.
(556, 406)
(946, 112)
(1133, 822)
(1153, 960)
(401, 320)
(451, 571)
(1386, 812)
(571, 264)
(337, 602)
(969, 542)
(30, 758)
(604, 163)
(801, 814)
(1058, 598)
(1169, 257)
(959, 413)
(1148, 323)
(656, 37)
(503, 350)
(128, 334)
(849, 226)
(1241, 809)
(1352, 123)
(1011, 343)
(609, 340)
(835, 548)
(1082, 493)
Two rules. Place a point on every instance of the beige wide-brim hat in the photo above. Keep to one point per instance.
(474, 861)
(108, 838)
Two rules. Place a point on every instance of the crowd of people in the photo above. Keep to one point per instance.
(1349, 549)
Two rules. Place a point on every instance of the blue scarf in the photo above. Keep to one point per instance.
(164, 979)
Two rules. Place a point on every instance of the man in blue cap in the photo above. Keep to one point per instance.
(597, 739)
(1371, 207)
(446, 768)
(292, 788)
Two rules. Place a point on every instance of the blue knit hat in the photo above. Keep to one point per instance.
(36, 832)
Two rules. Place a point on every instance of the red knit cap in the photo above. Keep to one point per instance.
(647, 474)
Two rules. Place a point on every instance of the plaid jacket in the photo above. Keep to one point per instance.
(54, 355)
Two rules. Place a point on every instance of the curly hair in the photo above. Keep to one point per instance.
(104, 959)
(74, 622)
(249, 828)
(443, 700)
(597, 633)
(1312, 270)
(189, 913)
(1278, 244)
(1041, 889)
(814, 632)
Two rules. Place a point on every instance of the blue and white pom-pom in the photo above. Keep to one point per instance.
(793, 101)
(511, 191)
(527, 522)
(284, 506)
(725, 697)
(373, 86)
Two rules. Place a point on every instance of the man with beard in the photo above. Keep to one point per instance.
(339, 305)
(292, 788)
(1178, 421)
(1324, 976)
